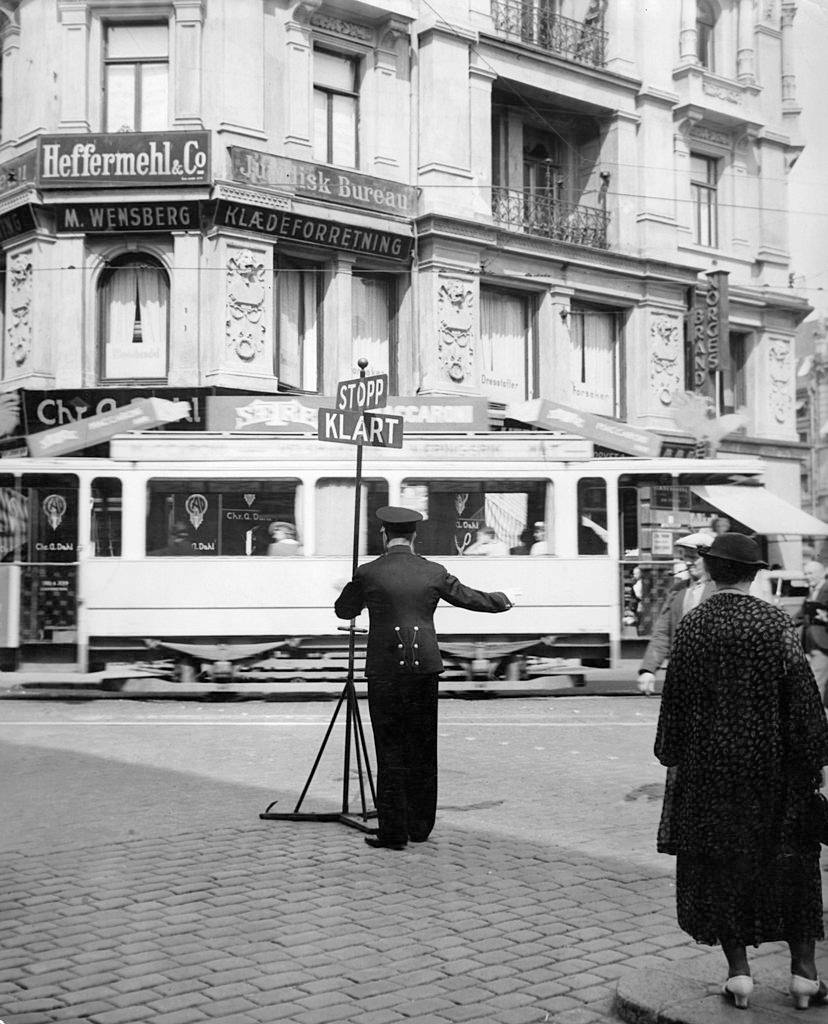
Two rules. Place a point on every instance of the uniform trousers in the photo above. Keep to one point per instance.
(403, 711)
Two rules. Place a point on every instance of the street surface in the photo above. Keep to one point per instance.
(137, 882)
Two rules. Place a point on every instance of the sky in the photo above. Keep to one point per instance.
(809, 178)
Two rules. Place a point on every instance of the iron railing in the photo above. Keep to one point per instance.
(533, 22)
(539, 215)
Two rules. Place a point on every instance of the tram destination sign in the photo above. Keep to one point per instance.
(353, 426)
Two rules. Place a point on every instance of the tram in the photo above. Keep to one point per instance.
(169, 541)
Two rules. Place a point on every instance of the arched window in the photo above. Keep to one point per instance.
(705, 31)
(134, 319)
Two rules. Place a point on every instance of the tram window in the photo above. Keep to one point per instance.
(220, 517)
(335, 516)
(52, 529)
(482, 517)
(105, 528)
(14, 520)
(592, 516)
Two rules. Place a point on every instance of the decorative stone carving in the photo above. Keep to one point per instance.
(780, 371)
(19, 329)
(245, 327)
(700, 131)
(721, 92)
(455, 322)
(769, 10)
(665, 347)
(340, 27)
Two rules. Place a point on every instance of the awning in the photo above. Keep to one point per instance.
(762, 511)
(140, 414)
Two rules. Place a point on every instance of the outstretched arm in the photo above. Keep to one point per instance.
(453, 591)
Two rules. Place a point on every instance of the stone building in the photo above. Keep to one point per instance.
(576, 200)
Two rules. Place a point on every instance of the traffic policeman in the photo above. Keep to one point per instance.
(401, 591)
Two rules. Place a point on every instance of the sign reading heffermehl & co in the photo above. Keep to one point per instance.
(298, 228)
(320, 182)
(108, 217)
(124, 158)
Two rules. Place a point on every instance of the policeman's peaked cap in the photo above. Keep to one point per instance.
(396, 516)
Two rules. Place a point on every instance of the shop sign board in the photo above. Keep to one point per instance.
(298, 414)
(141, 414)
(16, 222)
(113, 217)
(17, 172)
(298, 228)
(317, 181)
(613, 434)
(43, 410)
(123, 159)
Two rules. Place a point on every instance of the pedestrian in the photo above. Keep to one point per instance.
(695, 589)
(814, 621)
(283, 540)
(401, 590)
(179, 541)
(744, 735)
(486, 543)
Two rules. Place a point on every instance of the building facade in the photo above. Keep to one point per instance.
(582, 201)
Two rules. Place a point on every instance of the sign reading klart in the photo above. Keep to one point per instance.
(123, 158)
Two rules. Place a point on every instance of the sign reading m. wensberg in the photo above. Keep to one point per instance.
(124, 158)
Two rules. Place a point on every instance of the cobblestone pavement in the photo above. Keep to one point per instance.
(252, 921)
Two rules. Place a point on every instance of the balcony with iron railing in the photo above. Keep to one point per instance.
(530, 22)
(538, 214)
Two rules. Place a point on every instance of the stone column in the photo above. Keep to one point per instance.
(688, 49)
(745, 57)
(788, 73)
(185, 314)
(74, 65)
(298, 83)
(391, 127)
(480, 86)
(10, 127)
(554, 355)
(620, 20)
(189, 16)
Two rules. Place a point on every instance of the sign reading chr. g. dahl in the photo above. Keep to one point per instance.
(123, 158)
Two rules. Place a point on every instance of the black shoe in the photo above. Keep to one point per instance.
(418, 839)
(383, 844)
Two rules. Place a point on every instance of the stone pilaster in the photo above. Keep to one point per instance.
(189, 16)
(74, 69)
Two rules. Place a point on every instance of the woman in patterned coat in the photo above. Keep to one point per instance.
(743, 733)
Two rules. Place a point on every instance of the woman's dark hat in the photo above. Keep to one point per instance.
(734, 547)
(398, 516)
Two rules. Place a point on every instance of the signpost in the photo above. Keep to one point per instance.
(351, 422)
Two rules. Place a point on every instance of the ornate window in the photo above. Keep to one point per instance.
(134, 294)
(705, 34)
(335, 108)
(704, 177)
(594, 359)
(136, 77)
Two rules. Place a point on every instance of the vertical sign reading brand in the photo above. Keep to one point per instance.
(717, 308)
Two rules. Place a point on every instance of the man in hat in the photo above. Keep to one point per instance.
(401, 591)
(697, 589)
(814, 621)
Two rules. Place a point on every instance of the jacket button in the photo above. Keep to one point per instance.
(416, 663)
(416, 646)
(402, 662)
(399, 647)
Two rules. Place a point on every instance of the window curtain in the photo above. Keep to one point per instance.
(129, 288)
(297, 327)
(372, 322)
(503, 346)
(506, 513)
(593, 361)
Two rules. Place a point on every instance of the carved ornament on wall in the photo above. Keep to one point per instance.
(665, 346)
(19, 329)
(455, 322)
(780, 371)
(340, 27)
(721, 92)
(245, 305)
(700, 131)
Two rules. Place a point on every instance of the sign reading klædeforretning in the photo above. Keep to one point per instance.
(123, 158)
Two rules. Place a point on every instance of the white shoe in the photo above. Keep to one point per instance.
(740, 989)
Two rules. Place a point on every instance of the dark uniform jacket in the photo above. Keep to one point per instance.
(401, 591)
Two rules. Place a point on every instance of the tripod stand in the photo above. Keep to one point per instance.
(354, 734)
